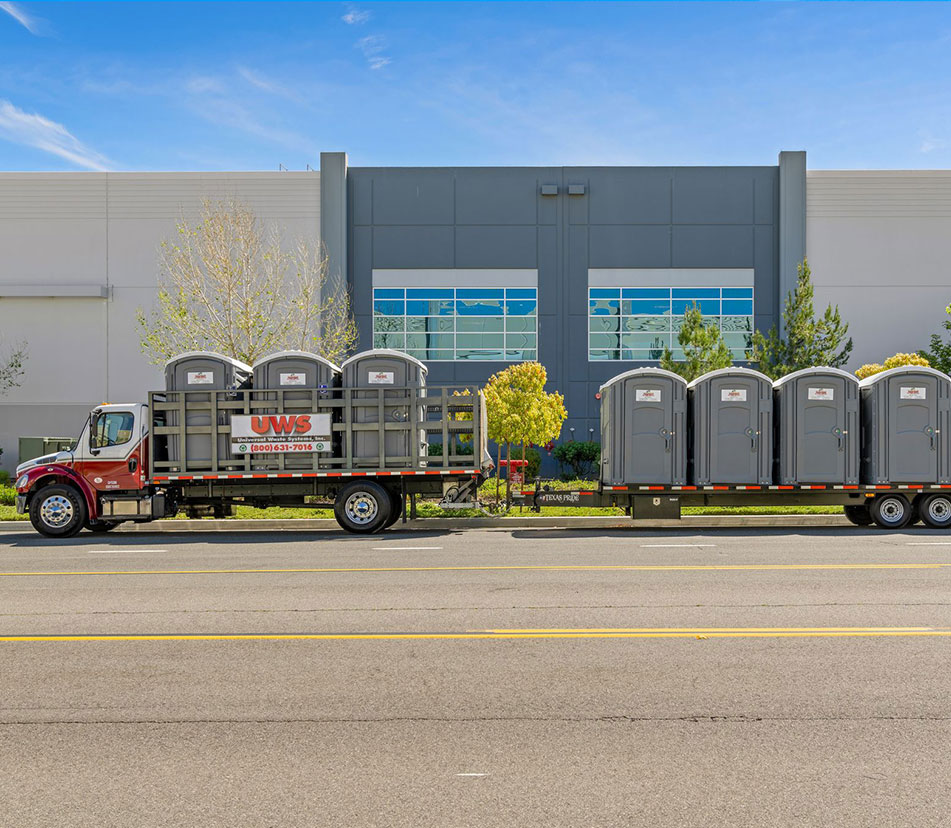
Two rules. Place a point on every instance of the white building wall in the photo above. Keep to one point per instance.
(879, 245)
(98, 234)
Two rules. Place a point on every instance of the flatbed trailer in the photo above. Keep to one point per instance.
(888, 506)
(180, 453)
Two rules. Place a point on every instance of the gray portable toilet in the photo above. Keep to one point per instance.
(202, 371)
(644, 428)
(816, 413)
(906, 423)
(730, 416)
(382, 369)
(298, 374)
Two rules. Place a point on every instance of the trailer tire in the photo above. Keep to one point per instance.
(58, 511)
(858, 514)
(935, 511)
(363, 507)
(891, 511)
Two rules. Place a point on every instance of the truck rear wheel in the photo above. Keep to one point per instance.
(58, 511)
(397, 509)
(858, 514)
(891, 511)
(363, 507)
(935, 511)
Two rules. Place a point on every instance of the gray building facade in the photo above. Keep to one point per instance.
(594, 243)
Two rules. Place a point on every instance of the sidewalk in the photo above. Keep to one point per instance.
(688, 522)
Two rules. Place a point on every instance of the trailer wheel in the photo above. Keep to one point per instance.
(98, 526)
(935, 511)
(363, 507)
(858, 514)
(891, 511)
(58, 511)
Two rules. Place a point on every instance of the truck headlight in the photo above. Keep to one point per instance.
(21, 481)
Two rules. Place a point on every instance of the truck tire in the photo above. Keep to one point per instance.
(858, 514)
(397, 509)
(935, 511)
(891, 511)
(58, 511)
(98, 526)
(363, 507)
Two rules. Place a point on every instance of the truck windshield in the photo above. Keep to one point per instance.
(113, 428)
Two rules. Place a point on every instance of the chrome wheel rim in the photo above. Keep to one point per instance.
(56, 511)
(939, 510)
(892, 510)
(361, 508)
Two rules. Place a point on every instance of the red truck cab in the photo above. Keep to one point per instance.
(102, 477)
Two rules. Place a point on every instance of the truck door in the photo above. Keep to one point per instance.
(111, 452)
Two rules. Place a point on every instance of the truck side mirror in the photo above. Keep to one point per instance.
(93, 428)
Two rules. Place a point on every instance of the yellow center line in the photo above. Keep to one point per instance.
(493, 568)
(489, 635)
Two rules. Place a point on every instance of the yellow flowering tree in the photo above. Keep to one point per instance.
(892, 362)
(520, 411)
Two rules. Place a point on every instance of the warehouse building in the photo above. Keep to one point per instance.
(586, 269)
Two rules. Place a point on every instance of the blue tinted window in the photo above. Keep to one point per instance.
(389, 308)
(696, 293)
(737, 307)
(480, 293)
(649, 307)
(521, 293)
(520, 307)
(434, 308)
(428, 293)
(604, 307)
(388, 293)
(708, 307)
(604, 293)
(475, 307)
(646, 293)
(737, 293)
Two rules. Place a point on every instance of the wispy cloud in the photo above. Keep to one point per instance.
(257, 80)
(34, 25)
(355, 16)
(33, 130)
(373, 47)
(931, 143)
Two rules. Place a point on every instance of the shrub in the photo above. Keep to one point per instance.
(895, 361)
(7, 495)
(581, 459)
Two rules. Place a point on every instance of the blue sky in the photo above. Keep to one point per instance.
(217, 86)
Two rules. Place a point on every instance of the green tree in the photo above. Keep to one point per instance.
(520, 411)
(703, 347)
(940, 354)
(808, 341)
(11, 367)
(582, 458)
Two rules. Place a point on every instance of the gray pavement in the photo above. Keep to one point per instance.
(740, 677)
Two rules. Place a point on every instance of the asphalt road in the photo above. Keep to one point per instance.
(478, 678)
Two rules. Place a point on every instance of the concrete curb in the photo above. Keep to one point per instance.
(688, 522)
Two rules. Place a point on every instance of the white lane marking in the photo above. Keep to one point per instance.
(472, 774)
(677, 545)
(402, 548)
(928, 543)
(121, 551)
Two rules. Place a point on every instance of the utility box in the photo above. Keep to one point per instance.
(214, 374)
(906, 423)
(378, 385)
(816, 436)
(730, 416)
(298, 382)
(32, 447)
(644, 428)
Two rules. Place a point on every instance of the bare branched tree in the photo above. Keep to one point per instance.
(11, 366)
(229, 285)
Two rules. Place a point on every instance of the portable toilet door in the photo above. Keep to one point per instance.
(905, 426)
(816, 411)
(202, 371)
(731, 421)
(381, 370)
(307, 381)
(643, 428)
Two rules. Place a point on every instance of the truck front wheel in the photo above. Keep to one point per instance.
(58, 511)
(363, 507)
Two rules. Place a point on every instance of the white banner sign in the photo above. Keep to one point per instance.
(293, 379)
(821, 393)
(647, 394)
(732, 395)
(200, 377)
(280, 433)
(913, 392)
(381, 378)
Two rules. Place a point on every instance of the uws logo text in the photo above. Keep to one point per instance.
(281, 424)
